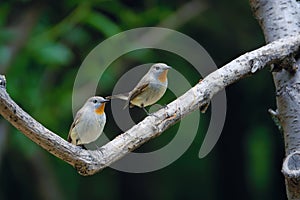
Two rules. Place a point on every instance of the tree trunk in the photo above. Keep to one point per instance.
(278, 19)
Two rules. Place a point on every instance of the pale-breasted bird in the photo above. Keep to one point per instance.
(89, 122)
(149, 89)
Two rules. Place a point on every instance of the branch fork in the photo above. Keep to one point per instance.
(88, 162)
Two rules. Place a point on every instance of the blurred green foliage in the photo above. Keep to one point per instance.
(42, 45)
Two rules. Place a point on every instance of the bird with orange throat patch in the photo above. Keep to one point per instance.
(149, 89)
(89, 122)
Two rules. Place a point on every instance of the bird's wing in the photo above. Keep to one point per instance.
(138, 90)
(76, 120)
(134, 93)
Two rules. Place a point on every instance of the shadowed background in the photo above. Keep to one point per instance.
(42, 45)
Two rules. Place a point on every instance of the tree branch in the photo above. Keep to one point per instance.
(88, 162)
(278, 19)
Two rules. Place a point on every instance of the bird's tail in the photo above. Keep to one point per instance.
(124, 97)
(118, 96)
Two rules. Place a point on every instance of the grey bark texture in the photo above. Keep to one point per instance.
(88, 162)
(279, 19)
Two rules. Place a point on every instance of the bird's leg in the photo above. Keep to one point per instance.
(161, 106)
(149, 114)
(146, 111)
(82, 146)
(99, 149)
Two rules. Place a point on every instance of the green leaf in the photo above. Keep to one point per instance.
(102, 24)
(52, 53)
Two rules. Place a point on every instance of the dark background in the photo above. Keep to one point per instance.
(42, 45)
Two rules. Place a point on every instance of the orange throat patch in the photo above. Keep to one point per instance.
(100, 109)
(163, 76)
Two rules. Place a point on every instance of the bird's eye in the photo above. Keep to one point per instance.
(95, 101)
(156, 68)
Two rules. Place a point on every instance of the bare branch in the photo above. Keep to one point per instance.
(89, 162)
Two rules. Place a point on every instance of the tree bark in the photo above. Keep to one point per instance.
(89, 162)
(278, 19)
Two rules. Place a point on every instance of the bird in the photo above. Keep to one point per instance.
(89, 122)
(149, 89)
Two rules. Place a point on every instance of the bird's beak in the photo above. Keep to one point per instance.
(106, 100)
(168, 67)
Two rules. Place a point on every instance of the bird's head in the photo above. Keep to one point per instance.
(160, 71)
(97, 103)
